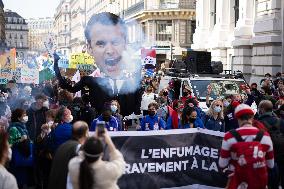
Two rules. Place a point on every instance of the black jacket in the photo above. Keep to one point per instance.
(99, 94)
(36, 120)
(59, 168)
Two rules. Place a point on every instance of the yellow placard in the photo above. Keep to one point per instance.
(8, 60)
(80, 58)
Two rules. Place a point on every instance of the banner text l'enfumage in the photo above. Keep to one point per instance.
(166, 159)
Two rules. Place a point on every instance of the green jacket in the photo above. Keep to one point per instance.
(16, 130)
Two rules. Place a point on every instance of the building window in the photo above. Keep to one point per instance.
(16, 37)
(65, 28)
(169, 4)
(164, 31)
(21, 36)
(237, 8)
(10, 36)
(64, 52)
(66, 7)
(65, 17)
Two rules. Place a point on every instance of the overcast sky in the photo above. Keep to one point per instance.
(32, 8)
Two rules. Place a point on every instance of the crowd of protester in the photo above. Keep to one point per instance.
(45, 126)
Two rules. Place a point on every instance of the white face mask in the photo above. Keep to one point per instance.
(46, 104)
(70, 119)
(9, 154)
(50, 123)
(2, 99)
(113, 108)
(25, 119)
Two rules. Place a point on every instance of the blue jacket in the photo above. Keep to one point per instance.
(198, 123)
(201, 114)
(152, 123)
(215, 125)
(59, 135)
(112, 125)
(170, 123)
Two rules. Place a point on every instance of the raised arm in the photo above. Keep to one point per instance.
(63, 82)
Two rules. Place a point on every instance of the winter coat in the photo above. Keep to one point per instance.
(36, 120)
(214, 124)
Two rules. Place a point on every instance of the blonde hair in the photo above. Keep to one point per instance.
(210, 111)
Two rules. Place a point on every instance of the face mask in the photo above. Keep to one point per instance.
(50, 123)
(9, 154)
(70, 119)
(26, 106)
(184, 93)
(113, 108)
(25, 119)
(217, 109)
(226, 103)
(46, 104)
(192, 120)
(152, 113)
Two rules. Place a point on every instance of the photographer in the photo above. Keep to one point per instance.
(88, 170)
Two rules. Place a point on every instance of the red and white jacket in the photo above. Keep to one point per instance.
(248, 133)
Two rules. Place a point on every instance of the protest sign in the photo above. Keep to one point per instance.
(6, 73)
(148, 58)
(45, 74)
(50, 44)
(17, 75)
(8, 59)
(29, 76)
(3, 80)
(85, 67)
(80, 58)
(183, 158)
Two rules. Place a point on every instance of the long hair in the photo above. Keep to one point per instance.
(16, 114)
(210, 111)
(92, 150)
(186, 112)
(60, 114)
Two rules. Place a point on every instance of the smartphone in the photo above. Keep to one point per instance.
(101, 128)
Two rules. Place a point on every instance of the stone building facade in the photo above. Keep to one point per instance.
(247, 36)
(39, 30)
(16, 31)
(62, 27)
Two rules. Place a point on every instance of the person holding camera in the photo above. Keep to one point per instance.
(88, 170)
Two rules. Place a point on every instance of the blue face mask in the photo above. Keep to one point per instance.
(113, 108)
(217, 109)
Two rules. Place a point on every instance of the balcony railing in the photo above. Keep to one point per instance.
(181, 4)
(140, 6)
(134, 9)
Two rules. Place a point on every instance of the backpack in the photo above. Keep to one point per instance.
(277, 139)
(249, 162)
